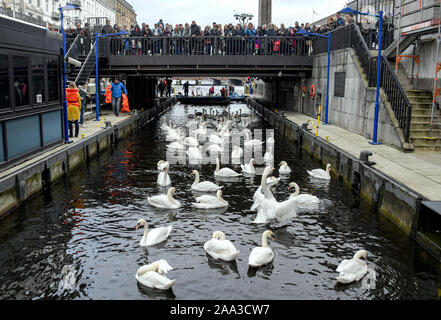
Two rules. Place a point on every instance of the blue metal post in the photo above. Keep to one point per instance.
(380, 35)
(327, 81)
(97, 80)
(66, 125)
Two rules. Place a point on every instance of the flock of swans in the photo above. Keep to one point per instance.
(267, 206)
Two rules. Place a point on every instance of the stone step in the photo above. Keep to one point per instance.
(424, 112)
(427, 148)
(417, 99)
(419, 125)
(418, 93)
(422, 105)
(425, 141)
(418, 133)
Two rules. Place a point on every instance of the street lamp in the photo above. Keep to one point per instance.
(244, 17)
(328, 36)
(67, 7)
(97, 82)
(380, 38)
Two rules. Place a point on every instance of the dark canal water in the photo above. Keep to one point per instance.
(88, 220)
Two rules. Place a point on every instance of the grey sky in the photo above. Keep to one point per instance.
(205, 12)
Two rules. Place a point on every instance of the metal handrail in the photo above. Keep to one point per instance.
(89, 56)
(72, 45)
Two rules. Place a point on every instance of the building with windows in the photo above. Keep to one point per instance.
(125, 14)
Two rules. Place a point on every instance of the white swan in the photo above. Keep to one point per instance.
(163, 177)
(210, 202)
(268, 157)
(152, 236)
(192, 141)
(249, 168)
(160, 164)
(216, 148)
(202, 130)
(220, 248)
(260, 256)
(177, 144)
(266, 206)
(306, 201)
(224, 172)
(249, 143)
(258, 195)
(237, 152)
(173, 135)
(214, 138)
(320, 173)
(163, 201)
(204, 186)
(195, 153)
(153, 275)
(165, 127)
(270, 141)
(284, 169)
(354, 269)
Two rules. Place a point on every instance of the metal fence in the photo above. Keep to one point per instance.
(351, 37)
(127, 45)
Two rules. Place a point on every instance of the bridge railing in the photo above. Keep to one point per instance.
(141, 46)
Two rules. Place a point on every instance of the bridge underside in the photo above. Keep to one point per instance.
(227, 66)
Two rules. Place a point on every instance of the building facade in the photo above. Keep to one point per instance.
(125, 14)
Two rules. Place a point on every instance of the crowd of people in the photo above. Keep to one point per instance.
(193, 39)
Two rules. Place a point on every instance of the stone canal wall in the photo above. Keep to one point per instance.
(30, 180)
(392, 199)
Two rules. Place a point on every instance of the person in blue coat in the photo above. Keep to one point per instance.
(117, 90)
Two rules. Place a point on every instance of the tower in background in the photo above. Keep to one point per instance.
(265, 12)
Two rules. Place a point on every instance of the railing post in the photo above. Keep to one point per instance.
(97, 80)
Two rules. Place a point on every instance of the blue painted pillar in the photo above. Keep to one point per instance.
(66, 125)
(97, 80)
(380, 36)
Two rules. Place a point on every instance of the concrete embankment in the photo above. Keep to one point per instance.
(28, 179)
(391, 197)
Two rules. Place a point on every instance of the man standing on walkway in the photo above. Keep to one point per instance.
(117, 89)
(186, 85)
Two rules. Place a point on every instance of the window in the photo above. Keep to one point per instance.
(5, 102)
(53, 80)
(21, 81)
(339, 84)
(38, 80)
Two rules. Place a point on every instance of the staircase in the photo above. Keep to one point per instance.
(88, 64)
(421, 102)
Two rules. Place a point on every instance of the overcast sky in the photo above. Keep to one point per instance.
(205, 12)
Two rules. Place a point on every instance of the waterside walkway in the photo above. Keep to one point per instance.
(420, 171)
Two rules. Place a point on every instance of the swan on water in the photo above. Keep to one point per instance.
(154, 275)
(166, 127)
(192, 141)
(220, 248)
(306, 201)
(353, 269)
(160, 165)
(258, 195)
(284, 169)
(152, 236)
(195, 153)
(249, 143)
(237, 152)
(173, 135)
(270, 141)
(224, 172)
(176, 144)
(320, 173)
(268, 157)
(204, 186)
(163, 201)
(163, 177)
(210, 202)
(263, 255)
(249, 168)
(266, 204)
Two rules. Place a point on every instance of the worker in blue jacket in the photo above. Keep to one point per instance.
(117, 90)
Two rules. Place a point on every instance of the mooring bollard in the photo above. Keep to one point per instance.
(108, 124)
(364, 157)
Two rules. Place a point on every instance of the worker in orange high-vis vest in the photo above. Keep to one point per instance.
(73, 108)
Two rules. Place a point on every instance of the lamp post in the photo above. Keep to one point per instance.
(244, 17)
(328, 36)
(97, 82)
(380, 38)
(67, 7)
